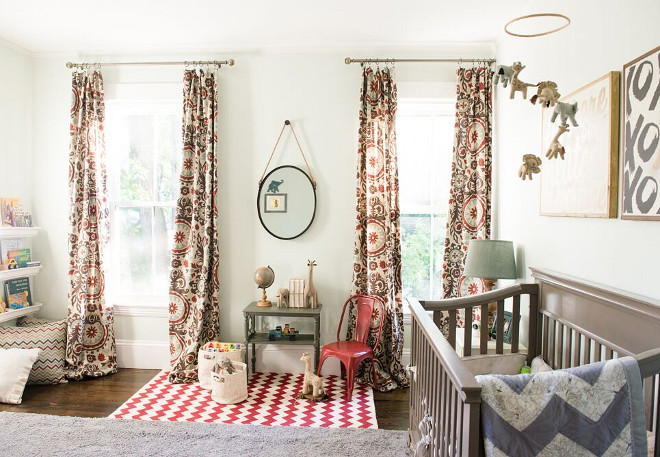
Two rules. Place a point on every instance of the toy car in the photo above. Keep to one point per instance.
(278, 333)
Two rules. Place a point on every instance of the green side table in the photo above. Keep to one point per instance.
(252, 311)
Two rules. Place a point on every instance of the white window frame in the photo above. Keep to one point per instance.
(141, 98)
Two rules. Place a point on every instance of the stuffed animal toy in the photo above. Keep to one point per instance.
(503, 73)
(565, 111)
(516, 84)
(546, 94)
(283, 298)
(530, 166)
(224, 367)
(555, 146)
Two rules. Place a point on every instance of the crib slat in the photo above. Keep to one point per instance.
(499, 342)
(467, 333)
(586, 355)
(551, 343)
(515, 323)
(609, 354)
(483, 332)
(559, 342)
(452, 328)
(576, 349)
(568, 347)
(536, 324)
(544, 341)
(597, 351)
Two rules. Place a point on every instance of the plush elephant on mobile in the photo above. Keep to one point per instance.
(503, 72)
(566, 111)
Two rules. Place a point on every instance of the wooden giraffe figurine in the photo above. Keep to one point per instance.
(516, 84)
(312, 384)
(310, 292)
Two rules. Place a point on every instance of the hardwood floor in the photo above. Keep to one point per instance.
(101, 397)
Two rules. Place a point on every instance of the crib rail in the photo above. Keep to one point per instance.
(444, 396)
(482, 301)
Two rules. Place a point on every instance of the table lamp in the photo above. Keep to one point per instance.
(490, 260)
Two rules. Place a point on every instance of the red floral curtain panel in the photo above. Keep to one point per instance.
(194, 309)
(470, 200)
(90, 350)
(377, 249)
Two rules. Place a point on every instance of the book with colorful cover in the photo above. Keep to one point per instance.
(17, 293)
(21, 256)
(7, 245)
(7, 208)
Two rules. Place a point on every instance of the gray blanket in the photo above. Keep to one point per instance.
(595, 409)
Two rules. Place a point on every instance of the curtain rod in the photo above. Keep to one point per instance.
(349, 60)
(229, 62)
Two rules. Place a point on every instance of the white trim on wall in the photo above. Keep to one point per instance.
(141, 310)
(143, 354)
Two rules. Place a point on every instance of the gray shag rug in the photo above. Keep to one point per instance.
(23, 434)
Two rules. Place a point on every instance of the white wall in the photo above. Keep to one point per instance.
(16, 96)
(621, 254)
(320, 95)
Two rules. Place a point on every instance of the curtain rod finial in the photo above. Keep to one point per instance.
(287, 122)
(69, 64)
(230, 62)
(348, 60)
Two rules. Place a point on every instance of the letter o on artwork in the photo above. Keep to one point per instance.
(646, 152)
(640, 92)
(645, 205)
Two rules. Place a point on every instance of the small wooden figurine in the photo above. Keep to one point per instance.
(516, 84)
(311, 296)
(312, 384)
(283, 298)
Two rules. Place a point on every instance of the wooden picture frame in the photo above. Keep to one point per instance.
(640, 166)
(275, 203)
(585, 182)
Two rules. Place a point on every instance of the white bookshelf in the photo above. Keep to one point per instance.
(16, 313)
(19, 232)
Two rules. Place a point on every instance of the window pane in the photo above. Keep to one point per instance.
(163, 235)
(167, 143)
(415, 250)
(133, 240)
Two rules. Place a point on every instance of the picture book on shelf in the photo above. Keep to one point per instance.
(7, 245)
(13, 214)
(21, 256)
(17, 293)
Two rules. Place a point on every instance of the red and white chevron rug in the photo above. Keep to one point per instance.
(272, 400)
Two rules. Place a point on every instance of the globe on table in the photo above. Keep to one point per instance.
(264, 277)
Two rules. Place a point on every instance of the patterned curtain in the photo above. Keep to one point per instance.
(377, 251)
(90, 350)
(194, 309)
(469, 195)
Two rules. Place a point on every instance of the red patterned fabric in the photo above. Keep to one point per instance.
(272, 400)
(90, 335)
(194, 310)
(377, 249)
(470, 200)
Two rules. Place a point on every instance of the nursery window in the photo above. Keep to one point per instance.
(143, 140)
(425, 132)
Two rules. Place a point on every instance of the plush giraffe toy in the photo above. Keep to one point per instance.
(312, 384)
(517, 84)
(555, 146)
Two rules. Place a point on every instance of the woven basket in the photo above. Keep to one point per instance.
(206, 360)
(230, 388)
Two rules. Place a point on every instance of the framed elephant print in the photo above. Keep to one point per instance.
(582, 180)
(640, 198)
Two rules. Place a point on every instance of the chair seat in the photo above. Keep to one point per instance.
(352, 348)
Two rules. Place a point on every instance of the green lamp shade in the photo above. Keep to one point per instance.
(490, 259)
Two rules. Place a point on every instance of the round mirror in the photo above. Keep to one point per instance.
(286, 202)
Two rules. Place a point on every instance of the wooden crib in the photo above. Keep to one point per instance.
(570, 322)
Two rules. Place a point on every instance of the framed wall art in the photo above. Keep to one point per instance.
(585, 182)
(275, 203)
(641, 136)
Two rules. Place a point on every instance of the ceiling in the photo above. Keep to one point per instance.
(42, 27)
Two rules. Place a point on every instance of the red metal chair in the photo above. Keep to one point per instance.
(352, 353)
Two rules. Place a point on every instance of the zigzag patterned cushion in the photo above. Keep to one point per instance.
(50, 337)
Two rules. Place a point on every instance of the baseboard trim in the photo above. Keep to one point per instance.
(143, 354)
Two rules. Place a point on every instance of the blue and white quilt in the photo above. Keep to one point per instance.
(595, 409)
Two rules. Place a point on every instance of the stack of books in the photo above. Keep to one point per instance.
(297, 293)
(13, 214)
